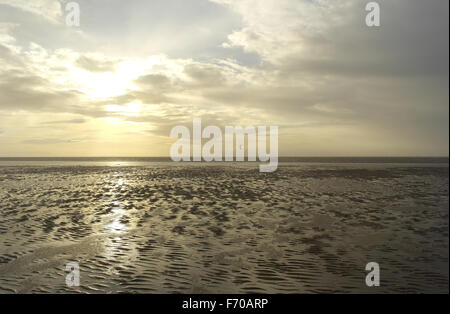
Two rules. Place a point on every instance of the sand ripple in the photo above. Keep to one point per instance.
(223, 228)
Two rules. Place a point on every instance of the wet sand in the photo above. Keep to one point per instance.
(224, 228)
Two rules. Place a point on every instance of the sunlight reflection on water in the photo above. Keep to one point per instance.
(114, 224)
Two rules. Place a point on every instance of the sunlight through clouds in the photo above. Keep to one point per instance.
(236, 63)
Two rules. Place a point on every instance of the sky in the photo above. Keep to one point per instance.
(117, 84)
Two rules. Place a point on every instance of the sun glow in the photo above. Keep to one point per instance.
(116, 82)
(101, 85)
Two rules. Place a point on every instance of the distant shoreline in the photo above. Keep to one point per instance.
(281, 159)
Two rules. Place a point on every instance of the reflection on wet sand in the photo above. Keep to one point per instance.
(224, 228)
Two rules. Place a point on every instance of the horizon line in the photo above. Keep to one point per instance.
(168, 157)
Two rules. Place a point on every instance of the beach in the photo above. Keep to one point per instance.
(163, 227)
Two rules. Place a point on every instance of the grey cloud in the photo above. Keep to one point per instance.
(53, 140)
(152, 97)
(153, 90)
(407, 44)
(392, 79)
(205, 75)
(174, 115)
(9, 57)
(45, 141)
(23, 91)
(73, 121)
(92, 65)
(48, 10)
(158, 88)
(154, 80)
(32, 93)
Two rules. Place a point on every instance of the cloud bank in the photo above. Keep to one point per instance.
(331, 84)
